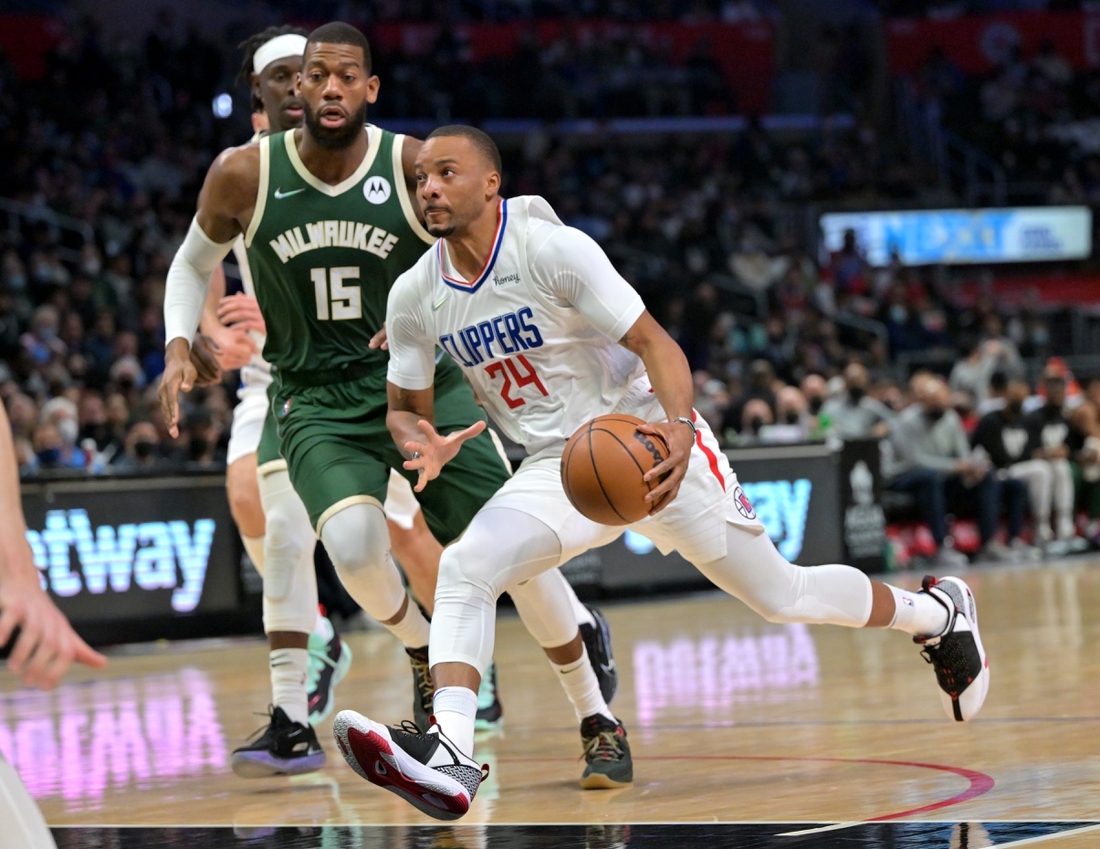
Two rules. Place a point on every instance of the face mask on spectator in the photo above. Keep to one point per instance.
(1016, 406)
(91, 266)
(17, 282)
(856, 393)
(144, 449)
(816, 404)
(792, 417)
(898, 314)
(68, 430)
(934, 414)
(755, 423)
(49, 456)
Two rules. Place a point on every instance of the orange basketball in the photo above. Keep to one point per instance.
(602, 468)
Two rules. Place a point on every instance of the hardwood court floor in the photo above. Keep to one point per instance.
(731, 719)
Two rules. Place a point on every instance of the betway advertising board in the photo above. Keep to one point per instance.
(794, 490)
(963, 236)
(114, 552)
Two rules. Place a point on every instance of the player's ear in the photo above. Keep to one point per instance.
(492, 184)
(373, 84)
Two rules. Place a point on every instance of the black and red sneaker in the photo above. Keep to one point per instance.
(957, 655)
(426, 770)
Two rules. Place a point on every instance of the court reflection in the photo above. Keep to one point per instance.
(133, 733)
(714, 672)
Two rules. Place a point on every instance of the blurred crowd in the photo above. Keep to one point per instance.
(983, 443)
(1038, 120)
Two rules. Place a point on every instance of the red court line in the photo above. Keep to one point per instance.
(980, 783)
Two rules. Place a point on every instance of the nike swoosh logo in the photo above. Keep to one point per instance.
(438, 303)
(280, 194)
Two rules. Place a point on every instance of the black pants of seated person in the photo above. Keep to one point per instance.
(937, 493)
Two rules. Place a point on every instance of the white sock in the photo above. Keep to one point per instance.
(455, 709)
(917, 613)
(583, 614)
(413, 629)
(255, 548)
(289, 668)
(582, 687)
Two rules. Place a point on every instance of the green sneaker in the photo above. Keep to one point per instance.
(490, 712)
(607, 753)
(329, 661)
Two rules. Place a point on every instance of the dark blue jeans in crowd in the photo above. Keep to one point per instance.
(937, 492)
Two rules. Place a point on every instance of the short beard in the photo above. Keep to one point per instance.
(340, 138)
(441, 232)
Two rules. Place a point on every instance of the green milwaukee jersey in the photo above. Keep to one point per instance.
(324, 257)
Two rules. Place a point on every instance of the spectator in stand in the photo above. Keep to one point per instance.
(1049, 430)
(1084, 441)
(973, 374)
(813, 388)
(142, 450)
(52, 452)
(761, 387)
(998, 391)
(852, 413)
(755, 416)
(931, 459)
(1003, 437)
(963, 404)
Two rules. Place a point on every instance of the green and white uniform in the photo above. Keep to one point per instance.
(325, 258)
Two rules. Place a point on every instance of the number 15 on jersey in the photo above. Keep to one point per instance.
(335, 300)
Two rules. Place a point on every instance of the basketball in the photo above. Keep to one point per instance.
(603, 465)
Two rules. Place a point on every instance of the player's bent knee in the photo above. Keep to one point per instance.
(464, 571)
(357, 539)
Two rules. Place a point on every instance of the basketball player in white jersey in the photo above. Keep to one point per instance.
(284, 553)
(42, 652)
(551, 336)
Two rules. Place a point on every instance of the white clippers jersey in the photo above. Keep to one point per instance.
(258, 369)
(536, 332)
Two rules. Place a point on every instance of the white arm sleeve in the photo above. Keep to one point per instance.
(574, 268)
(412, 350)
(188, 281)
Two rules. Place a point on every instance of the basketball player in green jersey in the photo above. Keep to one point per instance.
(328, 225)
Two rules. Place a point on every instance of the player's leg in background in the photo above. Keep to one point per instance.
(414, 546)
(290, 614)
(21, 823)
(245, 507)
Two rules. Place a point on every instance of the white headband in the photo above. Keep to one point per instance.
(280, 47)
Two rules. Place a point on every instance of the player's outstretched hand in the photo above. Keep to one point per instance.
(379, 339)
(47, 645)
(179, 376)
(679, 438)
(204, 357)
(437, 451)
(241, 312)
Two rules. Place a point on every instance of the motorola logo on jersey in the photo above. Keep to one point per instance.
(511, 333)
(377, 190)
(152, 555)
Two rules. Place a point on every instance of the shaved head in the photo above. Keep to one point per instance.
(480, 141)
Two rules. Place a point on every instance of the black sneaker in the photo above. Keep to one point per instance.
(398, 758)
(490, 712)
(607, 753)
(957, 655)
(597, 642)
(422, 687)
(329, 662)
(283, 748)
